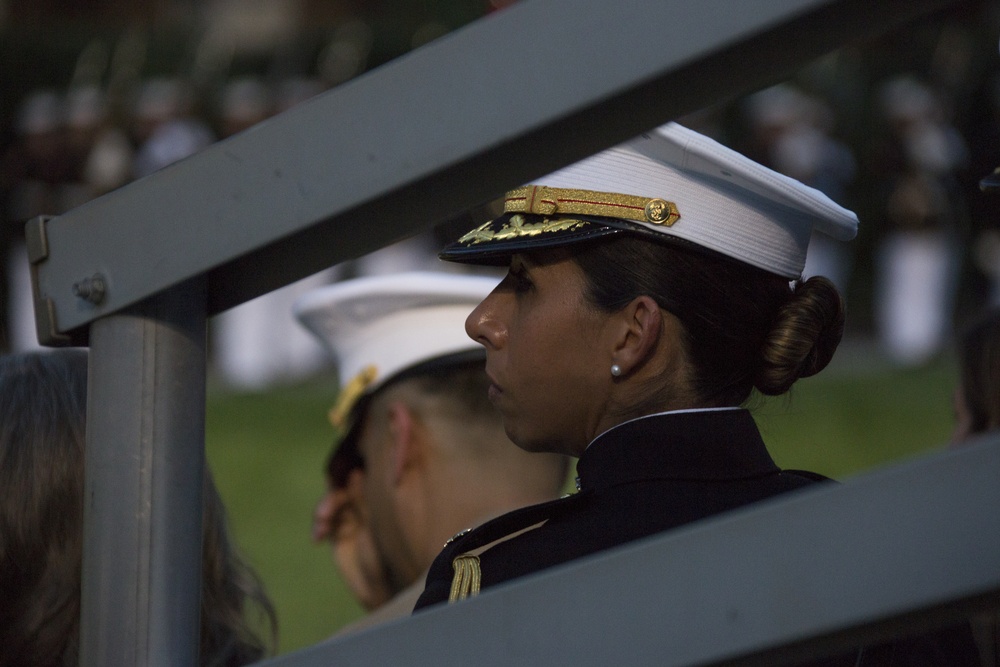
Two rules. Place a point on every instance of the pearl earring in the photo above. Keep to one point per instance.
(616, 370)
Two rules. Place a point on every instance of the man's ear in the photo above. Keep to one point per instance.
(639, 334)
(404, 440)
(323, 515)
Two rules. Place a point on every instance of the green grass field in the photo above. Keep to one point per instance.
(267, 452)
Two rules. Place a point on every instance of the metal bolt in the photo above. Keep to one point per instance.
(91, 289)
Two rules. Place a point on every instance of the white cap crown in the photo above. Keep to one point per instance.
(379, 326)
(672, 183)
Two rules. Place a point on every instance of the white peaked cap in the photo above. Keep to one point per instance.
(717, 199)
(379, 326)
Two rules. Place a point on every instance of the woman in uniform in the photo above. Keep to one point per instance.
(651, 289)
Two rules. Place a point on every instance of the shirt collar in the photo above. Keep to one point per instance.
(665, 412)
(714, 444)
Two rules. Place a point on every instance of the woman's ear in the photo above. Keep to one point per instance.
(642, 327)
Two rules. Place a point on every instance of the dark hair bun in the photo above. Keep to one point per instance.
(804, 336)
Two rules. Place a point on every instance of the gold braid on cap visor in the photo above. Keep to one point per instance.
(561, 202)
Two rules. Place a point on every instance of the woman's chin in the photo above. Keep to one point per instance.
(536, 445)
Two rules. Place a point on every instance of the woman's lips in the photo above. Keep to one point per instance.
(494, 391)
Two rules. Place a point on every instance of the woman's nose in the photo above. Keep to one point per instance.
(484, 324)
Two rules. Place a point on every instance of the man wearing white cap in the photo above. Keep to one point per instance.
(421, 453)
(652, 289)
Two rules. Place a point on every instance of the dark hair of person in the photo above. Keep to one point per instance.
(42, 411)
(42, 423)
(744, 327)
(460, 378)
(466, 384)
(979, 371)
(231, 595)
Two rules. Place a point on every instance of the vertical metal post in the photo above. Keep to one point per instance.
(143, 490)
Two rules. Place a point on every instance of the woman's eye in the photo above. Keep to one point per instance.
(519, 280)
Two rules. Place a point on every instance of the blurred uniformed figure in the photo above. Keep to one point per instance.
(793, 134)
(35, 173)
(101, 150)
(917, 261)
(166, 126)
(421, 453)
(258, 343)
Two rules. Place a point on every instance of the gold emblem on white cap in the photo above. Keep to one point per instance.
(543, 200)
(558, 205)
(660, 211)
(516, 227)
(350, 394)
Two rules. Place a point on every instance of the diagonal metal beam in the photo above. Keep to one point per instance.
(449, 126)
(893, 552)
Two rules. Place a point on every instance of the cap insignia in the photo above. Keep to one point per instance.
(660, 211)
(350, 394)
(457, 535)
(516, 227)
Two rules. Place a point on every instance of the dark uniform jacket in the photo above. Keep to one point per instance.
(635, 480)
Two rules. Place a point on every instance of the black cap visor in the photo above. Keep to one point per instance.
(492, 244)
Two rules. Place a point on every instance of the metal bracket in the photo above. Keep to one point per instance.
(46, 327)
(36, 238)
(37, 242)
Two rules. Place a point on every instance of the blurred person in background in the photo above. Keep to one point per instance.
(917, 262)
(35, 176)
(294, 90)
(67, 153)
(791, 133)
(976, 402)
(166, 128)
(43, 399)
(977, 395)
(244, 102)
(258, 342)
(101, 150)
(421, 453)
(984, 145)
